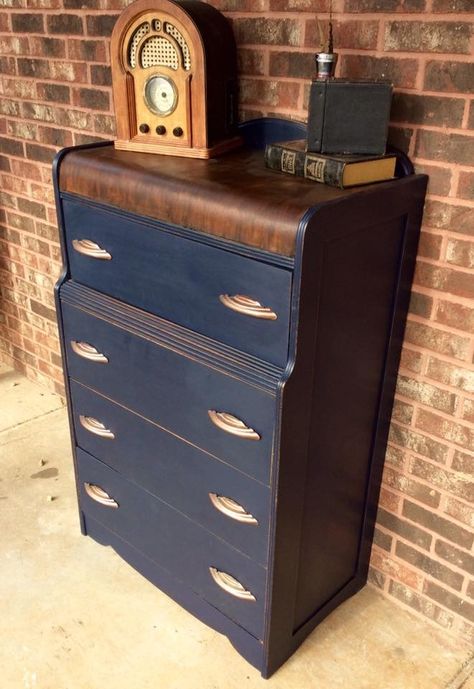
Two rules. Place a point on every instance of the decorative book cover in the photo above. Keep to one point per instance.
(336, 170)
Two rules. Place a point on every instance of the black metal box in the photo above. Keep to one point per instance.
(348, 116)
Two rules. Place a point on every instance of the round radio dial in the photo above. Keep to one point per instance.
(161, 95)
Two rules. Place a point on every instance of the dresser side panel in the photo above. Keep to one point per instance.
(360, 276)
(355, 260)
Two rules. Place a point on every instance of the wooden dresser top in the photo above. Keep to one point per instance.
(235, 196)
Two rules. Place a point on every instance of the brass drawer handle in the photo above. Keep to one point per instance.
(230, 585)
(87, 351)
(89, 248)
(96, 427)
(99, 495)
(248, 306)
(232, 509)
(231, 424)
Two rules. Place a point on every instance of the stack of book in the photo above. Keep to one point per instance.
(337, 170)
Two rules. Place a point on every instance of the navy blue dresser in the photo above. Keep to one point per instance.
(231, 339)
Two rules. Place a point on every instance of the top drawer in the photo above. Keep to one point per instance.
(182, 280)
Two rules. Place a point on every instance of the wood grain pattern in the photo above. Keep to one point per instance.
(265, 206)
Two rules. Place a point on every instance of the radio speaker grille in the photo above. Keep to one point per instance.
(137, 36)
(179, 38)
(157, 50)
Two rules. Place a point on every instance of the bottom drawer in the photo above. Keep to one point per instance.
(214, 570)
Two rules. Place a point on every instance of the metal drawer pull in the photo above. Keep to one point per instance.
(248, 306)
(99, 495)
(96, 427)
(231, 509)
(91, 249)
(87, 351)
(230, 585)
(231, 424)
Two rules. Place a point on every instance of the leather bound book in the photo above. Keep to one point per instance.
(348, 116)
(339, 170)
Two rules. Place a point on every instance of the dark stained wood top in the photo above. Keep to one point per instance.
(234, 196)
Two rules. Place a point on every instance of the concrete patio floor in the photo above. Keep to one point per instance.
(75, 616)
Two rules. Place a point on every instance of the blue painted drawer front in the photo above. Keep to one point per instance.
(181, 280)
(173, 390)
(174, 470)
(174, 542)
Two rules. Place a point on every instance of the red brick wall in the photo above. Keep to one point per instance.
(55, 91)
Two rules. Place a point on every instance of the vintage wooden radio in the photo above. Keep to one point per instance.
(174, 79)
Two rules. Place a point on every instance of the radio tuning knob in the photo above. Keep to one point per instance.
(144, 128)
(177, 131)
(161, 129)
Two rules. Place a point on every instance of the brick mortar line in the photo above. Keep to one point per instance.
(391, 558)
(431, 531)
(421, 378)
(443, 296)
(465, 585)
(415, 318)
(48, 242)
(446, 417)
(27, 309)
(20, 195)
(444, 494)
(450, 329)
(405, 54)
(413, 452)
(448, 200)
(35, 342)
(426, 576)
(42, 288)
(447, 443)
(416, 126)
(446, 165)
(23, 280)
(12, 178)
(36, 328)
(444, 95)
(432, 622)
(22, 214)
(36, 271)
(426, 506)
(48, 363)
(434, 510)
(437, 263)
(434, 355)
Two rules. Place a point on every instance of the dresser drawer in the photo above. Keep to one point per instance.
(186, 478)
(175, 391)
(174, 542)
(185, 281)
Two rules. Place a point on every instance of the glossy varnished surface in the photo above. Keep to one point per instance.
(265, 206)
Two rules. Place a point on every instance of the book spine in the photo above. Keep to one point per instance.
(301, 164)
